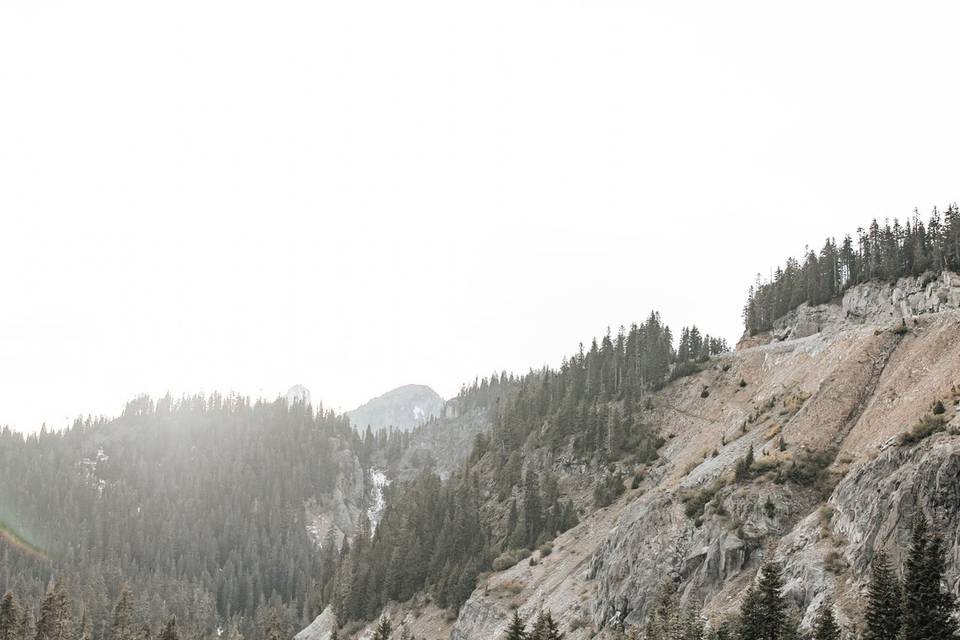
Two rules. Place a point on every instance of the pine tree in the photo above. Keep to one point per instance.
(884, 605)
(692, 625)
(531, 507)
(170, 630)
(742, 470)
(825, 626)
(9, 617)
(384, 629)
(751, 615)
(56, 615)
(123, 625)
(273, 629)
(664, 622)
(26, 627)
(916, 596)
(942, 624)
(774, 604)
(545, 628)
(86, 630)
(721, 631)
(763, 615)
(539, 631)
(516, 630)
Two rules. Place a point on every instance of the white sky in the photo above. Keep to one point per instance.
(200, 195)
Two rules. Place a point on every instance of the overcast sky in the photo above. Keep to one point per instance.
(241, 196)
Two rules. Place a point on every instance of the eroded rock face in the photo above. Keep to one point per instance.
(339, 511)
(871, 303)
(908, 297)
(656, 539)
(321, 628)
(851, 387)
(828, 554)
(851, 391)
(806, 320)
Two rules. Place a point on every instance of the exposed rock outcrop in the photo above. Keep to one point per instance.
(339, 511)
(822, 408)
(846, 393)
(321, 628)
(880, 301)
(871, 303)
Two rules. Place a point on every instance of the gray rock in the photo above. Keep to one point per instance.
(321, 628)
(873, 303)
(402, 408)
(883, 301)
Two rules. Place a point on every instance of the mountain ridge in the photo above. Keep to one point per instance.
(834, 412)
(404, 407)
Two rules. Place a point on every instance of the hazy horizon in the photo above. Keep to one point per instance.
(228, 197)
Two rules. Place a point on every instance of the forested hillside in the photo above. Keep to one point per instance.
(196, 504)
(438, 536)
(883, 252)
(194, 508)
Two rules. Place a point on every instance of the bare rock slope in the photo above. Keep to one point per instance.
(836, 404)
(823, 409)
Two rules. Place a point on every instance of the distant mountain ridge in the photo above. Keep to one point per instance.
(402, 408)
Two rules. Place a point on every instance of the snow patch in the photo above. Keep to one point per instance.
(377, 502)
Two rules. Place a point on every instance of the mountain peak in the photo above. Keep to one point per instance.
(404, 408)
(298, 394)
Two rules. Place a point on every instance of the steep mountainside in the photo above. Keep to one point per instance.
(402, 408)
(194, 503)
(837, 407)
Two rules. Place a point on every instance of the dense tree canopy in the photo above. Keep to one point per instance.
(433, 535)
(197, 504)
(883, 252)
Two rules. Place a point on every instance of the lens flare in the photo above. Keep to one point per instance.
(20, 543)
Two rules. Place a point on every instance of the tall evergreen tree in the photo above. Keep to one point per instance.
(26, 622)
(825, 626)
(170, 630)
(123, 626)
(929, 609)
(763, 614)
(532, 514)
(942, 624)
(693, 625)
(384, 629)
(884, 601)
(85, 628)
(889, 251)
(516, 630)
(917, 603)
(56, 615)
(664, 621)
(9, 617)
(545, 628)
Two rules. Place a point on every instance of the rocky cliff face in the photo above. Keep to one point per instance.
(827, 406)
(358, 490)
(872, 303)
(838, 391)
(321, 628)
